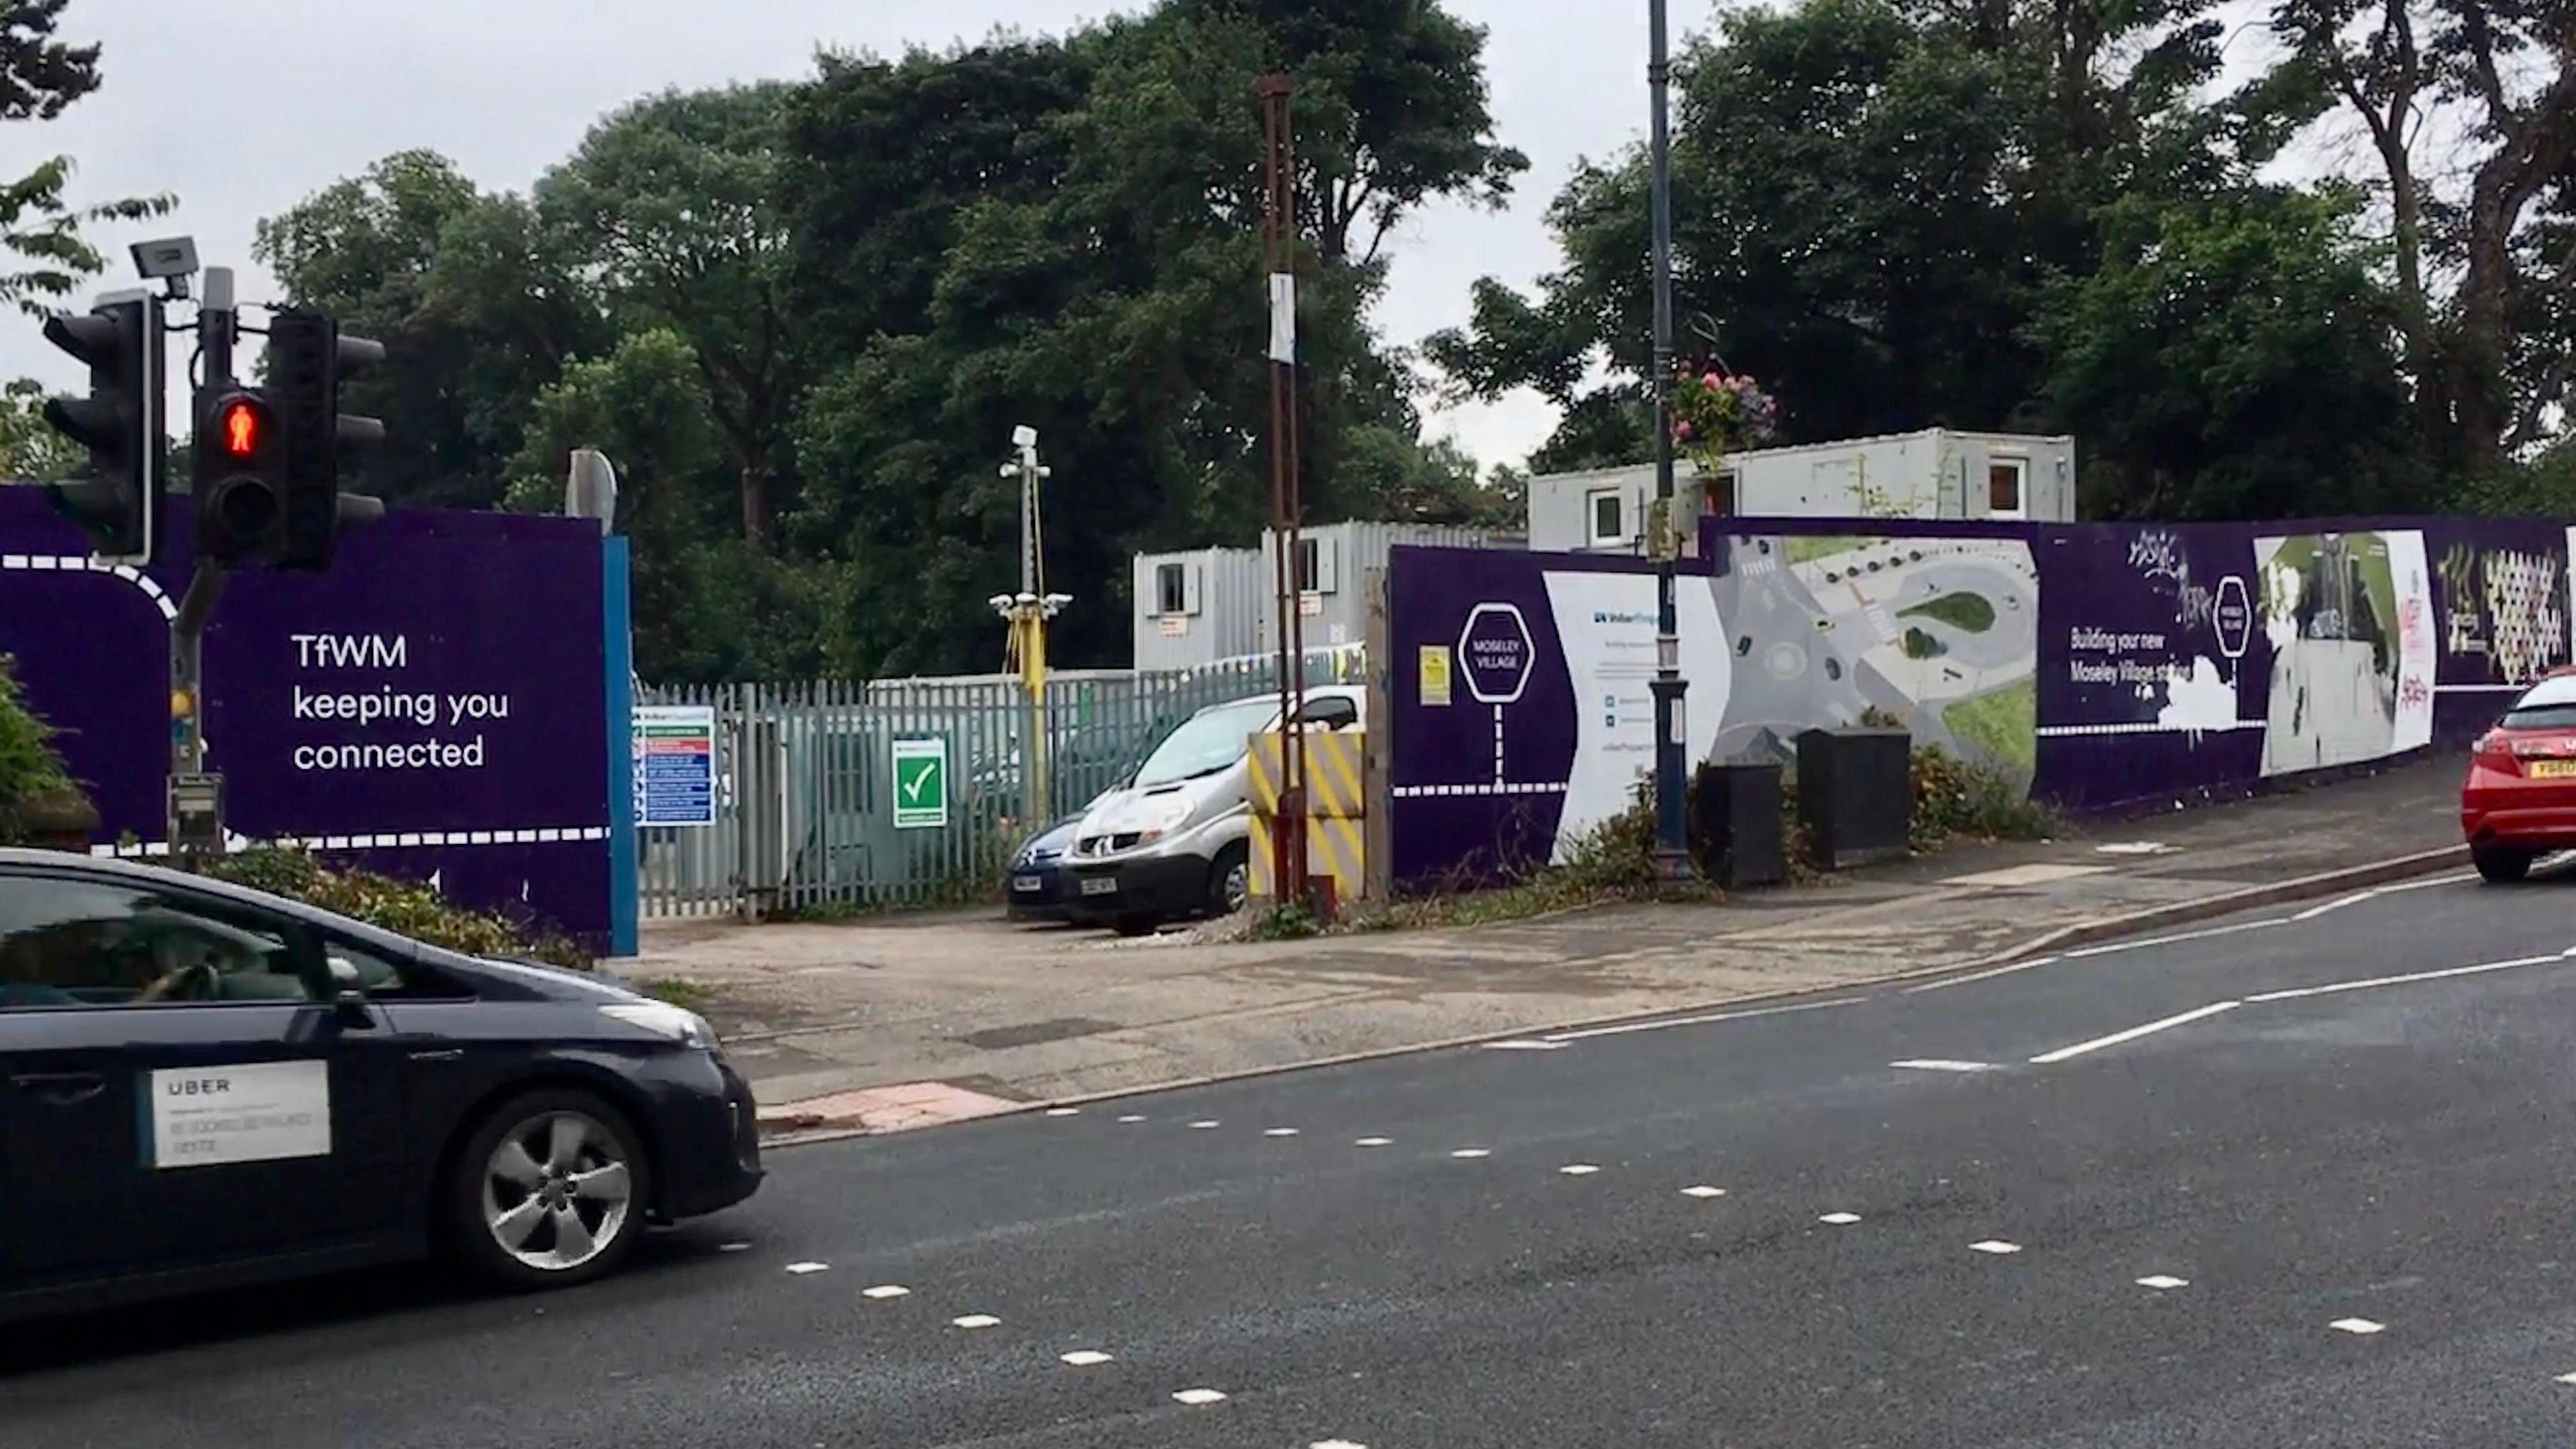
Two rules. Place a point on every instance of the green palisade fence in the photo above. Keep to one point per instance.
(805, 789)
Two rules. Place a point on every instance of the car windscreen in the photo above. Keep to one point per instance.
(1205, 742)
(2548, 705)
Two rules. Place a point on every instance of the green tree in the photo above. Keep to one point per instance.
(2484, 268)
(44, 256)
(706, 606)
(1099, 279)
(476, 310)
(671, 205)
(30, 449)
(2229, 358)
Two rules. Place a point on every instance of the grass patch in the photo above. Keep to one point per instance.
(1965, 610)
(679, 991)
(2002, 726)
(1809, 548)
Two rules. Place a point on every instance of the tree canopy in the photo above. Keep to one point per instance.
(2002, 214)
(804, 318)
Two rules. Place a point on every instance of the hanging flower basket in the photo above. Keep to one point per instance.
(1716, 413)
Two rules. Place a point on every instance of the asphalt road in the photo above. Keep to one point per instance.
(2142, 1239)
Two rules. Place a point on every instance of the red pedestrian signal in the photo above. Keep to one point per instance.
(240, 428)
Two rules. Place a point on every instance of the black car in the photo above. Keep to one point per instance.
(1041, 887)
(207, 1086)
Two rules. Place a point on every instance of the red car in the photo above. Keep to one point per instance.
(2520, 800)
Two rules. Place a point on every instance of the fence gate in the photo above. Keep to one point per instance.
(807, 814)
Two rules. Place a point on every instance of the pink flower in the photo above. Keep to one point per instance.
(1710, 379)
(1682, 430)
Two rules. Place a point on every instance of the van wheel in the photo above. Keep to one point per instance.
(550, 1191)
(2499, 865)
(1230, 880)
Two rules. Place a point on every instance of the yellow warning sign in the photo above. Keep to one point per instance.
(1435, 674)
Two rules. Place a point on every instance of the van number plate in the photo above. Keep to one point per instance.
(1100, 885)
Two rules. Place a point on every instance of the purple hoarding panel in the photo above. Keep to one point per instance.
(2109, 666)
(2151, 667)
(434, 705)
(1522, 715)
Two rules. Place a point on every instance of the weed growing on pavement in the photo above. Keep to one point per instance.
(679, 991)
(1285, 921)
(1960, 799)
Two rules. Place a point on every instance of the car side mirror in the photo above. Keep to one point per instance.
(348, 989)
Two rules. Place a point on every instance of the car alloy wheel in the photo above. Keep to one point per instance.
(558, 1191)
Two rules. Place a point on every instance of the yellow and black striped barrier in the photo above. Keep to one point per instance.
(1336, 811)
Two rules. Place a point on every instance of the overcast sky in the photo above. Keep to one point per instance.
(507, 87)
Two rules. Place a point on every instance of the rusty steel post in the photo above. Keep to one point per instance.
(1288, 831)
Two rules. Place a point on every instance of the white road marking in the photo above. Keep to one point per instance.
(1578, 1169)
(975, 1320)
(1562, 1037)
(1199, 1396)
(1085, 1357)
(1703, 1191)
(2046, 1059)
(2207, 933)
(1522, 1045)
(1206, 1122)
(1064, 1111)
(1942, 1064)
(2234, 928)
(1840, 1219)
(2135, 847)
(2163, 1281)
(2312, 912)
(2407, 979)
(1996, 1246)
(2356, 1325)
(1473, 1152)
(2564, 1379)
(885, 1290)
(733, 1247)
(1373, 1142)
(1335, 1444)
(807, 1267)
(1279, 1132)
(1986, 975)
(1133, 1117)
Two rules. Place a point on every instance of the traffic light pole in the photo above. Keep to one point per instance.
(196, 796)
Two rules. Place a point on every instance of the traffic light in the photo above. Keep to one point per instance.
(119, 423)
(240, 486)
(307, 361)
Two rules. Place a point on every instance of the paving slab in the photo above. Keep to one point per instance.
(940, 1003)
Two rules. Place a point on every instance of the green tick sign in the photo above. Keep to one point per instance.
(920, 784)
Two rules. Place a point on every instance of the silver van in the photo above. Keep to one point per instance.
(1176, 838)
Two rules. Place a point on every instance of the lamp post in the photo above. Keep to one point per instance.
(1027, 612)
(1672, 855)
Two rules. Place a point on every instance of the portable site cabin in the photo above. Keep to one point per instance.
(1935, 473)
(1199, 605)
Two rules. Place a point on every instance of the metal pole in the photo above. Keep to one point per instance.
(195, 823)
(1672, 856)
(1288, 831)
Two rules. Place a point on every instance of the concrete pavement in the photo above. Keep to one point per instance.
(885, 1026)
(2066, 1205)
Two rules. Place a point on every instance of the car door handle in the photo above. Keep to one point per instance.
(450, 1054)
(62, 1089)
